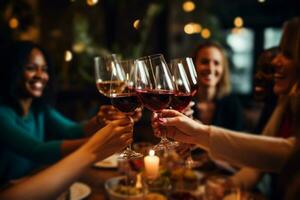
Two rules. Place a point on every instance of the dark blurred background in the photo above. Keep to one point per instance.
(74, 31)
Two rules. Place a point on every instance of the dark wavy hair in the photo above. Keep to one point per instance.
(13, 58)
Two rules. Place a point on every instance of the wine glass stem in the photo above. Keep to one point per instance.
(163, 136)
(129, 147)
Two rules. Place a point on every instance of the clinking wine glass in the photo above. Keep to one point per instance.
(112, 81)
(185, 82)
(125, 100)
(103, 71)
(155, 88)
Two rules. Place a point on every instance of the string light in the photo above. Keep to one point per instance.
(192, 28)
(13, 23)
(68, 56)
(136, 24)
(205, 33)
(188, 6)
(91, 2)
(237, 30)
(238, 22)
(79, 47)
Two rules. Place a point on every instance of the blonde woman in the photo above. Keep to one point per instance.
(214, 101)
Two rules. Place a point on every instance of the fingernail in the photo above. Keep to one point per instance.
(162, 120)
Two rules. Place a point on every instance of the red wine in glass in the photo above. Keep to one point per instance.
(126, 103)
(180, 101)
(155, 100)
(194, 89)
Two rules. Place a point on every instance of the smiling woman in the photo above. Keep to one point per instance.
(214, 101)
(27, 116)
(35, 74)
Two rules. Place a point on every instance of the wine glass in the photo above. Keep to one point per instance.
(114, 80)
(185, 81)
(125, 100)
(103, 71)
(191, 73)
(155, 88)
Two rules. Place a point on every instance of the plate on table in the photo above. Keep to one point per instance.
(79, 191)
(110, 162)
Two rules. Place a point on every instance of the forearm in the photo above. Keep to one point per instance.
(68, 146)
(246, 178)
(261, 152)
(48, 184)
(202, 136)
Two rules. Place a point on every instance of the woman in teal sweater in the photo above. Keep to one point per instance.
(26, 116)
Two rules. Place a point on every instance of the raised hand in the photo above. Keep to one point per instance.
(108, 113)
(179, 127)
(112, 138)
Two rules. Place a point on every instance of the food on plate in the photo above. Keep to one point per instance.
(127, 190)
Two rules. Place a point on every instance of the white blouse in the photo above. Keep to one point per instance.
(245, 150)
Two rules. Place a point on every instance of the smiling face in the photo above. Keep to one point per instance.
(35, 75)
(209, 64)
(285, 75)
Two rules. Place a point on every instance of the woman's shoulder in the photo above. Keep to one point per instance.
(7, 113)
(6, 109)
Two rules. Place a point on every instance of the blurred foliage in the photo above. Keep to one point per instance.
(85, 47)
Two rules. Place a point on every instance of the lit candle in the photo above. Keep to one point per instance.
(238, 195)
(151, 163)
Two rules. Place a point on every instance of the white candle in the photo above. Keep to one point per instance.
(151, 163)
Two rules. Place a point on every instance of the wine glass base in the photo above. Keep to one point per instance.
(190, 163)
(165, 145)
(129, 154)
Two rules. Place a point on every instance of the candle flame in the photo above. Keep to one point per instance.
(151, 152)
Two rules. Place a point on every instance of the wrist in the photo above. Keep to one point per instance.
(203, 133)
(88, 153)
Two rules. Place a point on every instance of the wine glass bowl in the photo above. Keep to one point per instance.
(125, 99)
(189, 67)
(104, 68)
(183, 87)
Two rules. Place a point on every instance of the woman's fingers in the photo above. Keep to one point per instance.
(170, 121)
(123, 122)
(169, 113)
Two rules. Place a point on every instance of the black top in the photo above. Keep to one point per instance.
(228, 113)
